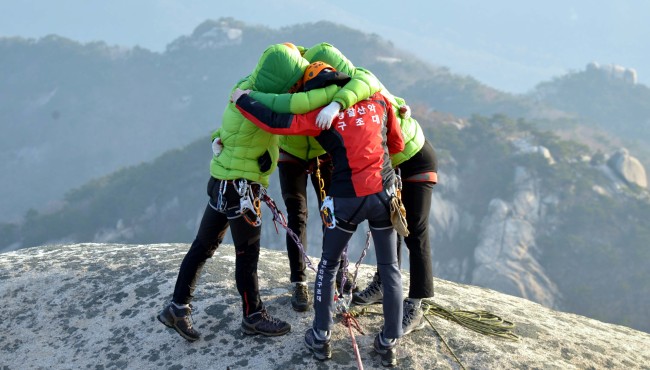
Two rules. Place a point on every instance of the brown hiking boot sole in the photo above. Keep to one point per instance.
(252, 331)
(172, 325)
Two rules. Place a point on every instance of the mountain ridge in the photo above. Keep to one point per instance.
(67, 102)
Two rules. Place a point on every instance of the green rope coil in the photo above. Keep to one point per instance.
(480, 321)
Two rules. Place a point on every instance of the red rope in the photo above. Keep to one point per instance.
(351, 322)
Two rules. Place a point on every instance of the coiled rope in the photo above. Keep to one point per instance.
(479, 321)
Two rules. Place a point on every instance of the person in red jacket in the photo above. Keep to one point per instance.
(360, 141)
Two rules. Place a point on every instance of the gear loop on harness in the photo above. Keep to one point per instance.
(221, 200)
(249, 202)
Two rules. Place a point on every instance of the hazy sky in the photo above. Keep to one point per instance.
(508, 44)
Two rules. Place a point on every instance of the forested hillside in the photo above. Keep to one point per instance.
(73, 112)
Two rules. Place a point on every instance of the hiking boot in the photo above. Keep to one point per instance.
(388, 353)
(371, 295)
(412, 319)
(347, 287)
(263, 323)
(300, 298)
(320, 348)
(179, 319)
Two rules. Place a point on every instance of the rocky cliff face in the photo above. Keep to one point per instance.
(505, 255)
(94, 305)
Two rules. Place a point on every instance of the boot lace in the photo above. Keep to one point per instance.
(270, 319)
(371, 290)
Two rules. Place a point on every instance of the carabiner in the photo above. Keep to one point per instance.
(327, 212)
(249, 213)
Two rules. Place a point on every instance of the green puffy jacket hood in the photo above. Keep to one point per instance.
(329, 54)
(248, 151)
(278, 69)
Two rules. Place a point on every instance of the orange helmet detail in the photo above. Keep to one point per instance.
(291, 46)
(314, 69)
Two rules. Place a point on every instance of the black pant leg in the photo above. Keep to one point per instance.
(210, 234)
(247, 254)
(416, 197)
(293, 184)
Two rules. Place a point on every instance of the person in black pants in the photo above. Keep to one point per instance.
(419, 175)
(244, 157)
(294, 173)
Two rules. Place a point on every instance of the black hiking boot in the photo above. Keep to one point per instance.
(179, 319)
(263, 323)
(300, 298)
(388, 353)
(320, 348)
(347, 287)
(371, 295)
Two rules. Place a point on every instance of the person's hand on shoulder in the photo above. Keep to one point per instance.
(327, 115)
(237, 94)
(217, 146)
(405, 111)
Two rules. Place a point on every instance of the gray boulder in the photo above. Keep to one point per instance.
(628, 168)
(94, 306)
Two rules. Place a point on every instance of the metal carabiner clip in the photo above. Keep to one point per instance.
(327, 212)
(248, 211)
(242, 187)
(339, 302)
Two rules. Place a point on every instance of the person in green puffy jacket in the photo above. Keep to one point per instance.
(244, 158)
(417, 165)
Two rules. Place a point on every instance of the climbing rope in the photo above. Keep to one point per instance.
(480, 321)
(352, 323)
(344, 274)
(343, 306)
(280, 219)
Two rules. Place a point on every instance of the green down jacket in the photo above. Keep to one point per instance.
(248, 151)
(362, 86)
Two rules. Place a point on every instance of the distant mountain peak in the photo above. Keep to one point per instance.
(211, 34)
